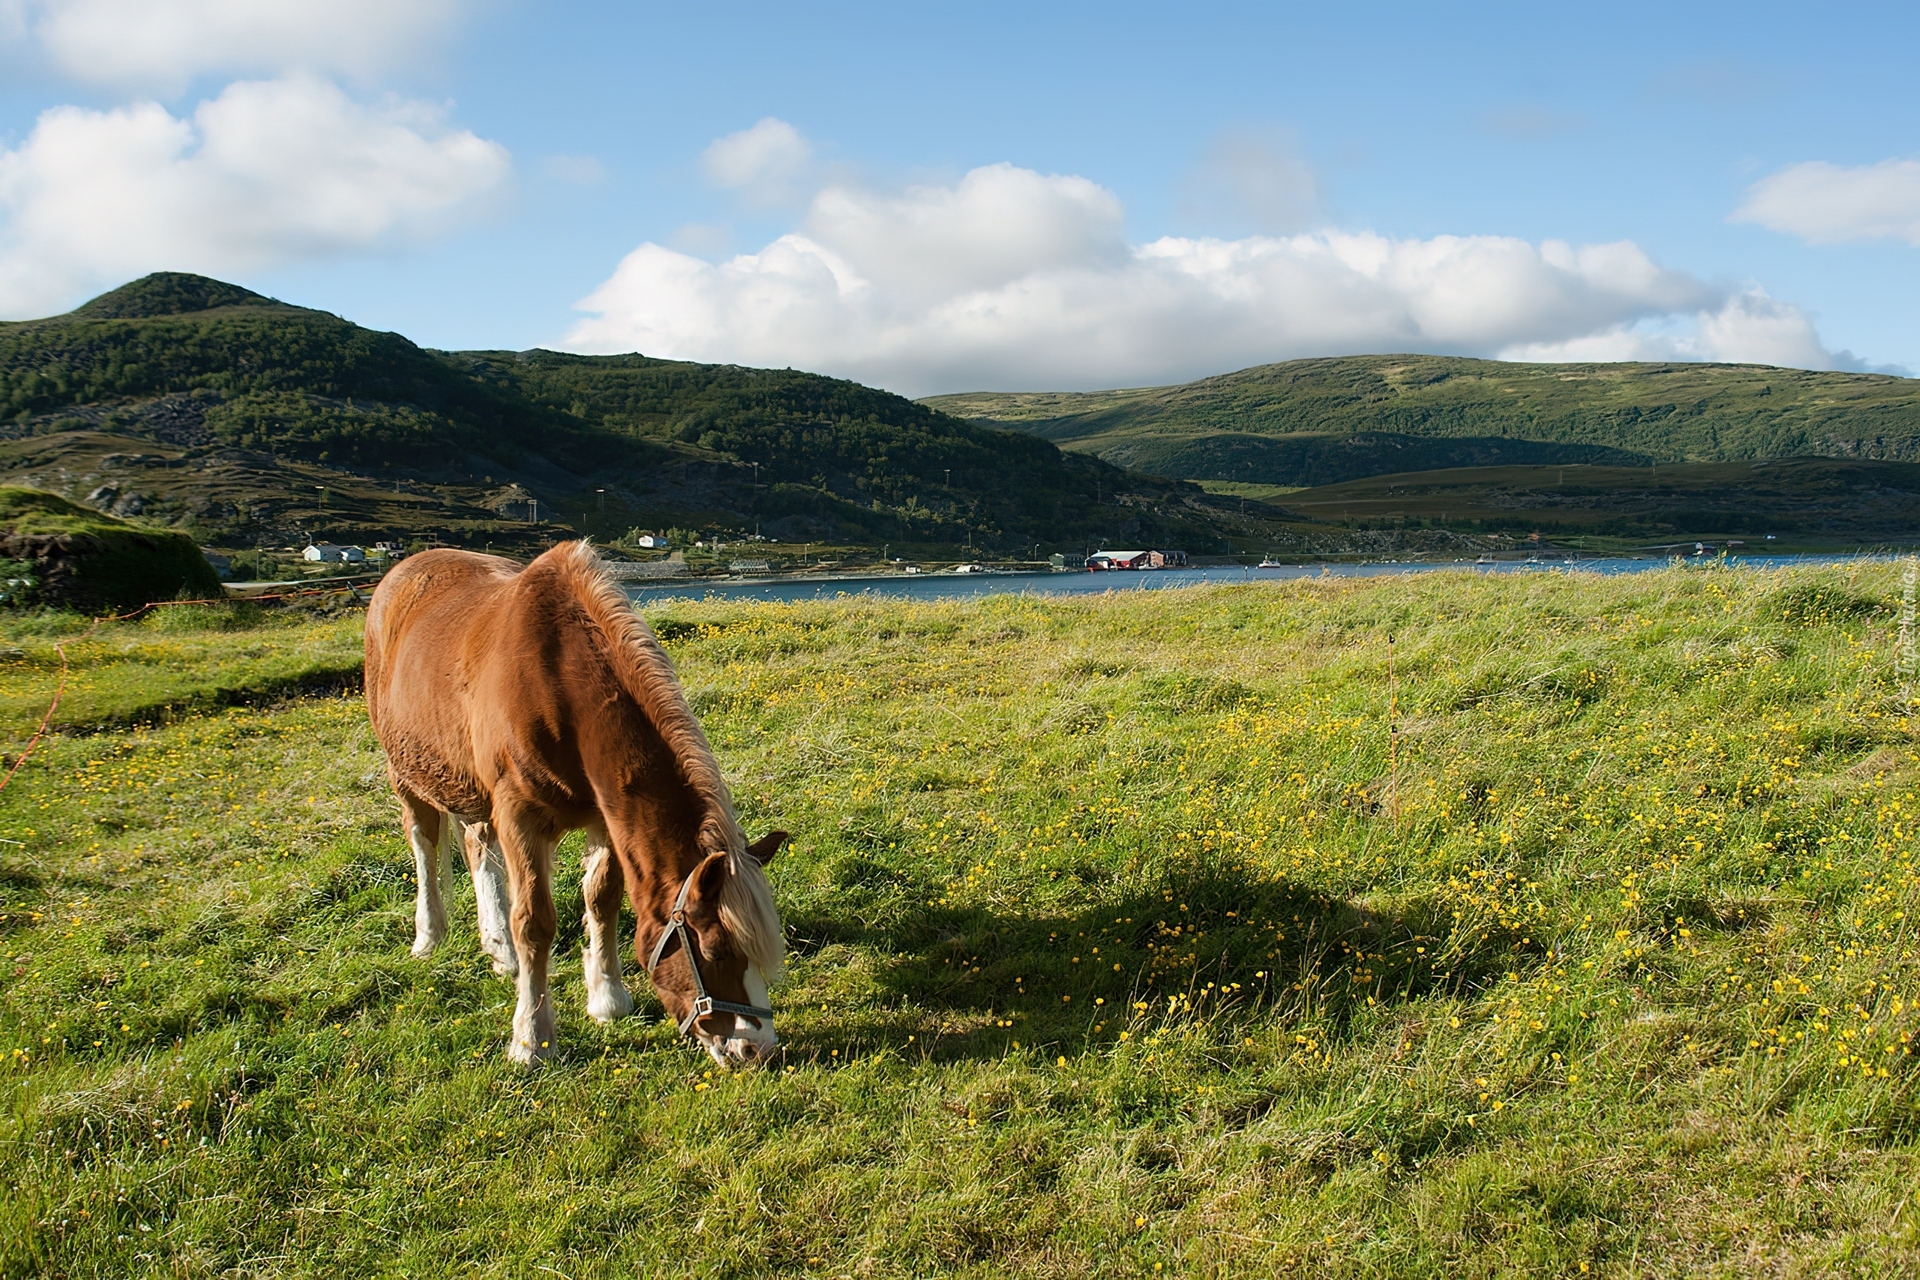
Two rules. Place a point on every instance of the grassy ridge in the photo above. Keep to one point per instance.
(1126, 942)
(1309, 422)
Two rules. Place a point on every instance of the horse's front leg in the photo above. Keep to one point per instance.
(528, 853)
(602, 886)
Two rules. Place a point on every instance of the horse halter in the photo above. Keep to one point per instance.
(703, 1004)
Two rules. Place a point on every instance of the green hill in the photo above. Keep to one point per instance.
(245, 419)
(1315, 422)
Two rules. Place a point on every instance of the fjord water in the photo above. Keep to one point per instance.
(952, 586)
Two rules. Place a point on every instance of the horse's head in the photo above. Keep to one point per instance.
(730, 915)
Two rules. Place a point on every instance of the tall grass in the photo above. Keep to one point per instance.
(1123, 944)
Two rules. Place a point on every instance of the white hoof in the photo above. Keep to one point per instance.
(609, 1004)
(423, 945)
(528, 1054)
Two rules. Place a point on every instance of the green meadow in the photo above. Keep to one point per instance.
(1436, 925)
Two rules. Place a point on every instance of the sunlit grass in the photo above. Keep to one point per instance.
(1122, 940)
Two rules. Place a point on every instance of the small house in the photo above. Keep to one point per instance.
(321, 553)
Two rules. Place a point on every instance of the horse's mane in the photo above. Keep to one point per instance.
(645, 671)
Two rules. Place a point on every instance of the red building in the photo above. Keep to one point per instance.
(1100, 561)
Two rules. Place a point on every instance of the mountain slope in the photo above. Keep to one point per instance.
(246, 419)
(1311, 422)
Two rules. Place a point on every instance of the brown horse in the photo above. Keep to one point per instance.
(517, 704)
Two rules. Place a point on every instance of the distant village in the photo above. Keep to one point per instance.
(674, 564)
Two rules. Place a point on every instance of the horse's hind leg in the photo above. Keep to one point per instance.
(602, 886)
(424, 825)
(489, 868)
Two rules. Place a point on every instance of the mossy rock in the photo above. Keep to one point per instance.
(88, 560)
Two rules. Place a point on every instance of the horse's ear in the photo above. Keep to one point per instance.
(709, 879)
(763, 849)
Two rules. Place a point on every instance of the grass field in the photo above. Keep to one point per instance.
(1127, 941)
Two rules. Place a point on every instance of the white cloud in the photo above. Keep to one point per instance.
(1829, 203)
(267, 172)
(162, 44)
(1013, 279)
(763, 162)
(997, 226)
(1747, 328)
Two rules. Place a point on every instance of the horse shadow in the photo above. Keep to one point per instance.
(1210, 940)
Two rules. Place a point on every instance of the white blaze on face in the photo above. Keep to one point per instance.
(748, 1042)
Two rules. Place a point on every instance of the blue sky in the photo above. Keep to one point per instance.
(940, 198)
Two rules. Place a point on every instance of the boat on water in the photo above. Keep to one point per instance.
(1270, 563)
(969, 568)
